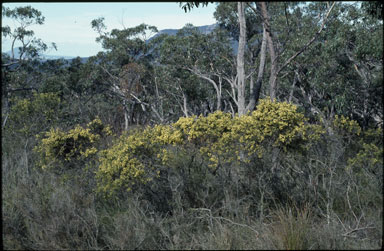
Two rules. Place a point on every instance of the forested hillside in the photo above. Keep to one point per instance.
(184, 142)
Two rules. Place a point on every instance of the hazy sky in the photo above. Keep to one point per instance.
(68, 24)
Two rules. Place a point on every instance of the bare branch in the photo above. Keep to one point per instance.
(309, 42)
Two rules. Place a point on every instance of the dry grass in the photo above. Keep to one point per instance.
(290, 228)
(41, 210)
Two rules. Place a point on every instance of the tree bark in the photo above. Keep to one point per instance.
(255, 90)
(126, 116)
(275, 70)
(185, 106)
(240, 60)
(272, 52)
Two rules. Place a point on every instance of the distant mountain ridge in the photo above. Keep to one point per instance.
(205, 29)
(43, 56)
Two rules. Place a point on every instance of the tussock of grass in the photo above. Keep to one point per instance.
(291, 228)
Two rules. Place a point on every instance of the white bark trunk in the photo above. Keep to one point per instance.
(255, 90)
(240, 60)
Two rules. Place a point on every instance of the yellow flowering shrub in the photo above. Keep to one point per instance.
(58, 146)
(278, 124)
(163, 135)
(211, 134)
(371, 152)
(218, 137)
(27, 116)
(127, 162)
(203, 130)
(345, 126)
(369, 155)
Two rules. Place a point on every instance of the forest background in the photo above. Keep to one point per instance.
(185, 142)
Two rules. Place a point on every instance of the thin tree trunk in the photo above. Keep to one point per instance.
(185, 107)
(272, 52)
(240, 60)
(126, 115)
(219, 94)
(255, 90)
(275, 70)
(126, 119)
(293, 87)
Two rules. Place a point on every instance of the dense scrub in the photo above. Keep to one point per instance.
(266, 180)
(140, 146)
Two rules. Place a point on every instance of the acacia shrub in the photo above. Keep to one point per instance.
(61, 149)
(218, 142)
(29, 115)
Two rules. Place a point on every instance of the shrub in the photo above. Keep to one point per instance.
(220, 139)
(68, 148)
(345, 126)
(29, 116)
(371, 152)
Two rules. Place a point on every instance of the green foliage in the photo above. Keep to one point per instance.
(373, 8)
(342, 72)
(126, 45)
(345, 126)
(78, 144)
(226, 16)
(189, 5)
(370, 155)
(25, 16)
(31, 116)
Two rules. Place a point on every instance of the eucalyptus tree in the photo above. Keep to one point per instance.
(207, 56)
(126, 65)
(240, 76)
(18, 68)
(275, 48)
(279, 23)
(342, 72)
(232, 17)
(226, 14)
(31, 46)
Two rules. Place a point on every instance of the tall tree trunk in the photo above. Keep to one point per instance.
(185, 106)
(240, 60)
(272, 52)
(126, 115)
(255, 90)
(219, 94)
(275, 69)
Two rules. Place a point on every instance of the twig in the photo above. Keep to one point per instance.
(238, 224)
(356, 229)
(222, 218)
(309, 42)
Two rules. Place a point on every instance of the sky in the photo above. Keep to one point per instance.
(69, 24)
